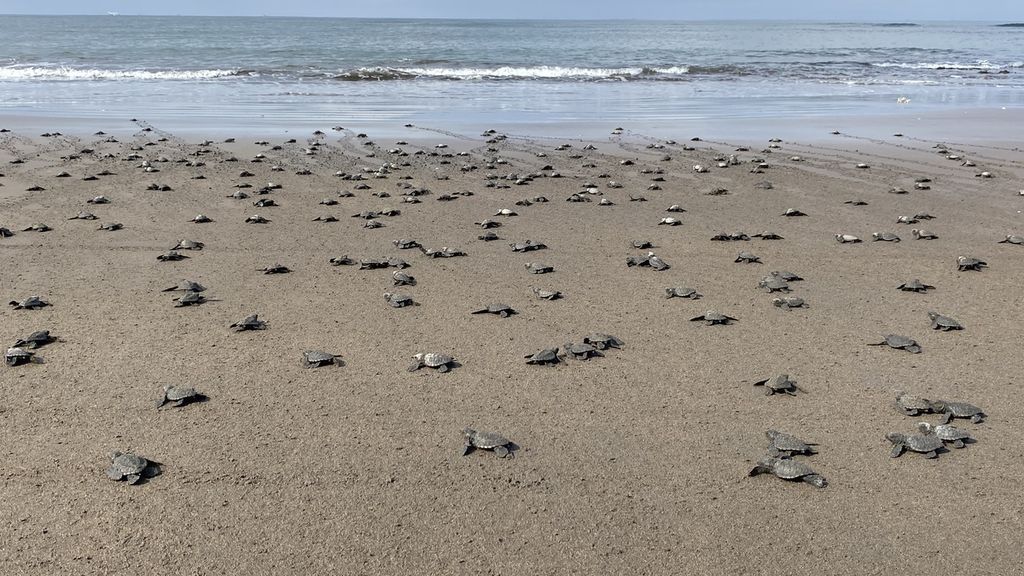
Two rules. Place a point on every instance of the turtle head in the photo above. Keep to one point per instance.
(938, 406)
(418, 355)
(932, 314)
(771, 434)
(899, 393)
(468, 433)
(925, 428)
(896, 437)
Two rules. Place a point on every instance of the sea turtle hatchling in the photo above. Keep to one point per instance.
(774, 284)
(178, 396)
(538, 268)
(603, 341)
(952, 410)
(957, 437)
(318, 358)
(275, 269)
(201, 219)
(899, 342)
(436, 360)
(712, 317)
(526, 246)
(398, 300)
(111, 227)
(926, 444)
(37, 227)
(884, 237)
(544, 357)
(473, 439)
(669, 221)
(748, 258)
(915, 285)
(16, 356)
(682, 292)
(911, 405)
(171, 256)
(399, 278)
(547, 294)
(965, 263)
(83, 215)
(250, 322)
(37, 339)
(503, 310)
(186, 244)
(130, 467)
(582, 351)
(189, 299)
(1012, 239)
(788, 469)
(847, 239)
(30, 303)
(789, 302)
(782, 444)
(780, 384)
(920, 234)
(256, 219)
(944, 323)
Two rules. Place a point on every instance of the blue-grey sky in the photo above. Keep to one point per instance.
(832, 10)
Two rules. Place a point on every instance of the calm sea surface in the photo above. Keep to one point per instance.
(237, 72)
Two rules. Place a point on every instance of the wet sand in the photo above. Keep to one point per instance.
(634, 463)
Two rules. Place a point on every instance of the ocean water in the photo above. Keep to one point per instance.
(260, 72)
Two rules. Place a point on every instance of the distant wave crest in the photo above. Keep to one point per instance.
(979, 65)
(535, 73)
(66, 73)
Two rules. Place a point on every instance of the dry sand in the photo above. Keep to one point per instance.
(635, 463)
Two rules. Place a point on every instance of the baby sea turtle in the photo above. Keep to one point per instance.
(186, 286)
(920, 234)
(944, 323)
(37, 227)
(488, 236)
(250, 322)
(37, 339)
(527, 246)
(506, 212)
(926, 444)
(98, 200)
(438, 361)
(398, 300)
(712, 317)
(318, 358)
(5, 232)
(130, 467)
(915, 285)
(201, 219)
(325, 218)
(547, 294)
(503, 310)
(582, 351)
(748, 258)
(788, 469)
(793, 212)
(787, 275)
(789, 302)
(766, 235)
(911, 405)
(780, 384)
(16, 356)
(171, 256)
(682, 292)
(186, 244)
(275, 269)
(957, 410)
(965, 263)
(405, 244)
(179, 396)
(341, 261)
(603, 341)
(112, 227)
(256, 219)
(545, 356)
(189, 299)
(537, 268)
(780, 443)
(501, 446)
(847, 239)
(1012, 239)
(83, 215)
(399, 278)
(669, 221)
(30, 303)
(950, 434)
(899, 342)
(884, 237)
(774, 284)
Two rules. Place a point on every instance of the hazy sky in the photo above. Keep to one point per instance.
(833, 10)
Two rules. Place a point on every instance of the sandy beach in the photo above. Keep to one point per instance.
(632, 463)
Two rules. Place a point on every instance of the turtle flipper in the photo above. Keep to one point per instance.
(501, 451)
(113, 474)
(930, 455)
(442, 368)
(897, 450)
(946, 418)
(415, 366)
(977, 418)
(133, 478)
(467, 448)
(958, 443)
(816, 480)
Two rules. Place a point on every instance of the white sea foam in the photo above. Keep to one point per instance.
(65, 73)
(979, 65)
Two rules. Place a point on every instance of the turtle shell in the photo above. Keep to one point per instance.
(178, 393)
(922, 443)
(485, 440)
(787, 443)
(315, 358)
(16, 356)
(913, 403)
(949, 433)
(961, 409)
(603, 341)
(544, 356)
(436, 359)
(125, 464)
(788, 469)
